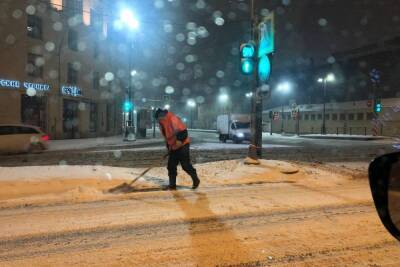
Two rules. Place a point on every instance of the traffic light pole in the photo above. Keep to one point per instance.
(255, 150)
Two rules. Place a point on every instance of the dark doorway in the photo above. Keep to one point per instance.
(70, 119)
(33, 111)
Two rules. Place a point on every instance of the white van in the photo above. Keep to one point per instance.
(18, 138)
(235, 127)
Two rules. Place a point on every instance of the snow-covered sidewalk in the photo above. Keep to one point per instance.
(112, 141)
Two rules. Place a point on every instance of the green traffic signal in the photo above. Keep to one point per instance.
(247, 55)
(128, 106)
(377, 106)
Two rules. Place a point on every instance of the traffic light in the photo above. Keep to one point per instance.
(247, 55)
(377, 106)
(128, 106)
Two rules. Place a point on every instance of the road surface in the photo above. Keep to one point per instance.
(259, 224)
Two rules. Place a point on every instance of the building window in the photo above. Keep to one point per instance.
(327, 117)
(351, 116)
(72, 74)
(334, 117)
(34, 65)
(93, 117)
(306, 117)
(74, 7)
(319, 116)
(313, 117)
(370, 116)
(96, 80)
(34, 27)
(360, 116)
(73, 40)
(342, 116)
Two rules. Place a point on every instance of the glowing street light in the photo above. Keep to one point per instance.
(128, 18)
(249, 95)
(167, 106)
(133, 72)
(223, 98)
(329, 78)
(191, 103)
(284, 87)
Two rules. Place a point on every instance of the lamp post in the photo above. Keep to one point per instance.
(128, 20)
(283, 88)
(191, 104)
(329, 78)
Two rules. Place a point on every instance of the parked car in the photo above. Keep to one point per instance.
(18, 138)
(384, 180)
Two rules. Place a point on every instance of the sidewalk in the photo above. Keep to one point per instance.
(101, 142)
(344, 137)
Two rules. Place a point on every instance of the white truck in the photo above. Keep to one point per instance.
(235, 127)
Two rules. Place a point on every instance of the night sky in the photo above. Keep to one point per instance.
(307, 32)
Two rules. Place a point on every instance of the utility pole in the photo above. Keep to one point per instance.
(256, 100)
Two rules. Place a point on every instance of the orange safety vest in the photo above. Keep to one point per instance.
(170, 126)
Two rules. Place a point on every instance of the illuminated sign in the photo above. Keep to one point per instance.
(17, 85)
(37, 86)
(9, 83)
(71, 90)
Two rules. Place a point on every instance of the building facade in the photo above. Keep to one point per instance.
(354, 118)
(59, 68)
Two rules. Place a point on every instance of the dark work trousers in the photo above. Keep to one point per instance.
(182, 156)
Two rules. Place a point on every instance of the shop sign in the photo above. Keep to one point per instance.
(71, 91)
(37, 86)
(9, 83)
(17, 85)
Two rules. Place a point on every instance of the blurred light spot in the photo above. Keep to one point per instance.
(103, 82)
(31, 91)
(180, 37)
(30, 10)
(168, 28)
(200, 4)
(17, 13)
(159, 3)
(81, 46)
(265, 88)
(220, 74)
(39, 61)
(171, 50)
(331, 60)
(237, 83)
(121, 73)
(191, 41)
(280, 10)
(53, 74)
(264, 12)
(202, 32)
(219, 21)
(232, 15)
(109, 76)
(285, 2)
(108, 176)
(180, 66)
(57, 26)
(200, 99)
(186, 91)
(169, 89)
(82, 106)
(322, 22)
(50, 46)
(10, 39)
(190, 58)
(191, 26)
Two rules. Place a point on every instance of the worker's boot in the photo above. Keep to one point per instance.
(196, 181)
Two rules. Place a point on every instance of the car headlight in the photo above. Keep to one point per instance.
(240, 135)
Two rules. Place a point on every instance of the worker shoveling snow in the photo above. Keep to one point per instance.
(49, 184)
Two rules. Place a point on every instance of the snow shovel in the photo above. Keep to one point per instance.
(125, 187)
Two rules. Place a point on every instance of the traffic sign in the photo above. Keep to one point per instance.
(266, 36)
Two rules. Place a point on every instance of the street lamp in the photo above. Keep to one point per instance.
(249, 95)
(283, 88)
(191, 104)
(167, 106)
(329, 78)
(128, 20)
